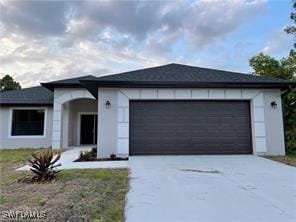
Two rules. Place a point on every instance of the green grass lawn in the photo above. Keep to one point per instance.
(77, 195)
(289, 159)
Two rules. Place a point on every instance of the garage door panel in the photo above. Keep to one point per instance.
(190, 127)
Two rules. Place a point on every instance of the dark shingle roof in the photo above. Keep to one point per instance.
(185, 73)
(39, 95)
(29, 96)
(73, 82)
(171, 75)
(184, 76)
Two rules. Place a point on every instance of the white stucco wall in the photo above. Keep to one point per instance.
(275, 141)
(113, 123)
(267, 130)
(7, 141)
(107, 123)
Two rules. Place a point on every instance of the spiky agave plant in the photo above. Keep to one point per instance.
(43, 166)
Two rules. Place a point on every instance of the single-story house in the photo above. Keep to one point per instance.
(170, 109)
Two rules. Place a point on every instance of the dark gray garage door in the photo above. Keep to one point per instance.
(190, 127)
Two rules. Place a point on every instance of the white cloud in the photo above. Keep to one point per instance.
(216, 19)
(31, 62)
(48, 40)
(279, 42)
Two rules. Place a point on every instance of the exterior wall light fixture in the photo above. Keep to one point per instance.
(273, 104)
(108, 104)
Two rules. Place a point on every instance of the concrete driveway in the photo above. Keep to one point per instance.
(189, 188)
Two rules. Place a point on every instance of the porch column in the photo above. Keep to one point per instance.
(57, 125)
(65, 125)
(258, 124)
(107, 122)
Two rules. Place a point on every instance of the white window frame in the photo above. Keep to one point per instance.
(26, 136)
(79, 125)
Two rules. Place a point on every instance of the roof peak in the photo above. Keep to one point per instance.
(178, 65)
(208, 68)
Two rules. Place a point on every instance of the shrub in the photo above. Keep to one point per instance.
(113, 156)
(43, 166)
(94, 150)
(88, 155)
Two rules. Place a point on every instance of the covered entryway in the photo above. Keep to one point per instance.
(80, 119)
(69, 105)
(190, 127)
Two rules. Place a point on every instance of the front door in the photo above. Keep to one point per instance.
(88, 129)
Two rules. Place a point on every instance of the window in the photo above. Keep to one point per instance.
(28, 122)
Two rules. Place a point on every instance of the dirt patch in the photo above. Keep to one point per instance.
(71, 199)
(77, 195)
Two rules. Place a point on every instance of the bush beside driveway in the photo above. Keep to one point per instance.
(289, 159)
(78, 195)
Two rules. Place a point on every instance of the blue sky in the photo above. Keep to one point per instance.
(48, 40)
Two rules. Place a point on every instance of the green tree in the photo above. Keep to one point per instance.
(292, 28)
(285, 68)
(264, 65)
(8, 83)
